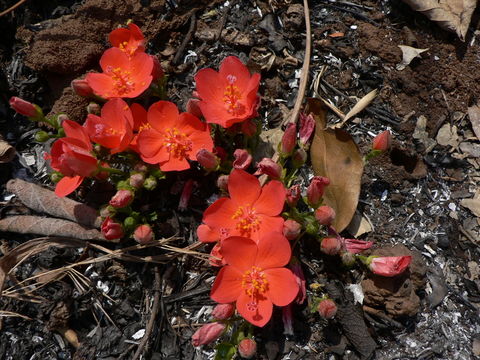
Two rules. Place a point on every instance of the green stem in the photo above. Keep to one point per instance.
(112, 170)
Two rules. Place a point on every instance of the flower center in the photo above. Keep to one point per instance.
(248, 220)
(177, 143)
(254, 283)
(231, 97)
(121, 78)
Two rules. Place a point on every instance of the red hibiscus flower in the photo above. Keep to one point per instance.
(114, 128)
(171, 139)
(255, 277)
(123, 76)
(129, 40)
(72, 157)
(251, 211)
(230, 95)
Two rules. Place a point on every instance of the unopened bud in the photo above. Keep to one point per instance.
(140, 167)
(93, 108)
(150, 183)
(157, 71)
(291, 229)
(208, 160)
(289, 140)
(223, 311)
(129, 223)
(270, 168)
(316, 189)
(299, 158)
(242, 159)
(136, 180)
(111, 230)
(330, 246)
(41, 136)
(56, 176)
(121, 199)
(293, 195)
(143, 234)
(307, 127)
(208, 333)
(81, 87)
(247, 348)
(327, 308)
(325, 215)
(26, 108)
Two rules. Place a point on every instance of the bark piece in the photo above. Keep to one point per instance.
(43, 200)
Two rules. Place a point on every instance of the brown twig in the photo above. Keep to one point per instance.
(153, 315)
(181, 49)
(11, 8)
(224, 20)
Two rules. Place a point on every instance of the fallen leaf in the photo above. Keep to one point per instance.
(447, 136)
(409, 53)
(359, 106)
(473, 205)
(474, 115)
(421, 134)
(335, 155)
(359, 225)
(470, 149)
(452, 15)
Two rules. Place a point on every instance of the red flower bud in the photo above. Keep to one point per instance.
(299, 158)
(289, 139)
(24, 107)
(223, 311)
(143, 234)
(247, 348)
(186, 194)
(111, 230)
(330, 246)
(249, 127)
(242, 159)
(157, 71)
(208, 333)
(325, 215)
(121, 199)
(207, 159)
(269, 167)
(389, 266)
(81, 87)
(136, 180)
(222, 182)
(382, 141)
(293, 195)
(297, 271)
(327, 308)
(355, 246)
(291, 229)
(315, 190)
(307, 127)
(193, 108)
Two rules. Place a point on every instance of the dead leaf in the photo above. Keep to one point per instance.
(421, 134)
(452, 15)
(447, 136)
(409, 53)
(474, 115)
(335, 155)
(359, 106)
(359, 225)
(473, 205)
(7, 151)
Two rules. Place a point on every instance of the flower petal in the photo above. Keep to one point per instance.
(268, 224)
(101, 84)
(258, 317)
(139, 115)
(115, 58)
(272, 199)
(162, 114)
(175, 164)
(282, 286)
(67, 185)
(227, 286)
(219, 214)
(232, 65)
(149, 142)
(206, 234)
(210, 87)
(239, 252)
(273, 251)
(76, 131)
(243, 187)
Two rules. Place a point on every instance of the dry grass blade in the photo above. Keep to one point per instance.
(359, 106)
(4, 313)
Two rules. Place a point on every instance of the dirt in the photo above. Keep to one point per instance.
(411, 195)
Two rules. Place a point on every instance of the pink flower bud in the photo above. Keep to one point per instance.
(307, 127)
(293, 195)
(111, 230)
(242, 159)
(287, 318)
(93, 108)
(143, 234)
(193, 108)
(356, 246)
(330, 246)
(222, 182)
(247, 348)
(121, 199)
(223, 311)
(291, 229)
(289, 139)
(315, 190)
(389, 266)
(249, 127)
(140, 167)
(81, 87)
(208, 333)
(24, 107)
(327, 309)
(269, 167)
(207, 159)
(157, 71)
(299, 158)
(382, 141)
(136, 180)
(325, 215)
(186, 194)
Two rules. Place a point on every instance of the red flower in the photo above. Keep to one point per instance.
(171, 139)
(251, 210)
(255, 277)
(123, 76)
(72, 157)
(129, 40)
(389, 266)
(114, 128)
(230, 95)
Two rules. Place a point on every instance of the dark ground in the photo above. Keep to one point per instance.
(410, 196)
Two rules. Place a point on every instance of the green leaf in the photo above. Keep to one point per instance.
(225, 351)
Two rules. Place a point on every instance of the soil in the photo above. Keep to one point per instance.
(411, 196)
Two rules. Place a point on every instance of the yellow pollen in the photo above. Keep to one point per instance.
(254, 283)
(122, 80)
(177, 143)
(144, 126)
(247, 220)
(231, 97)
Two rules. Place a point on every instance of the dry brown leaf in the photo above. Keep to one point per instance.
(359, 225)
(7, 151)
(452, 15)
(473, 205)
(335, 155)
(474, 115)
(409, 53)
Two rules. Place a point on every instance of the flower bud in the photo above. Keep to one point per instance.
(106, 211)
(93, 108)
(111, 230)
(330, 246)
(81, 87)
(186, 194)
(315, 190)
(269, 167)
(291, 229)
(208, 333)
(242, 159)
(208, 160)
(289, 140)
(129, 223)
(293, 195)
(388, 266)
(325, 215)
(143, 234)
(382, 141)
(327, 309)
(41, 136)
(56, 177)
(287, 318)
(307, 127)
(25, 108)
(223, 311)
(348, 258)
(222, 182)
(193, 108)
(140, 167)
(299, 158)
(157, 71)
(121, 199)
(150, 183)
(136, 180)
(249, 127)
(247, 348)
